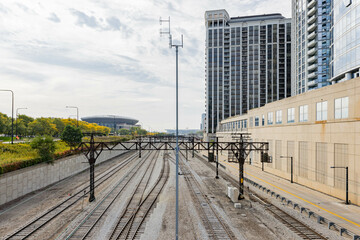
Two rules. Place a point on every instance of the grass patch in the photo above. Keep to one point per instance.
(21, 155)
(5, 139)
(16, 156)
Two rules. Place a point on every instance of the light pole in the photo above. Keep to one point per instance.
(217, 157)
(16, 133)
(171, 45)
(77, 114)
(12, 113)
(347, 183)
(291, 167)
(114, 125)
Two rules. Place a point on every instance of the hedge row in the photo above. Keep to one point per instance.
(12, 166)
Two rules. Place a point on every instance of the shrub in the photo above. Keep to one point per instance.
(45, 146)
(72, 136)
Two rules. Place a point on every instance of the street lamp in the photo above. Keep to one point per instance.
(77, 114)
(12, 113)
(17, 114)
(292, 165)
(171, 45)
(347, 183)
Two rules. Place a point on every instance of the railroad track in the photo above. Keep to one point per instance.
(130, 224)
(213, 223)
(46, 217)
(296, 226)
(86, 227)
(299, 228)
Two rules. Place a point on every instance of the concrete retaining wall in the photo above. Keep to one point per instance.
(18, 183)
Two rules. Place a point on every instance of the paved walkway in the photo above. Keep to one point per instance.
(334, 209)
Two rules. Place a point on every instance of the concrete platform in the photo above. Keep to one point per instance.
(334, 209)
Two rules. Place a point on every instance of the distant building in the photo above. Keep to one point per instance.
(203, 121)
(248, 63)
(182, 131)
(112, 121)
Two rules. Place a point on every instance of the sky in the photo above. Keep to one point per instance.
(107, 57)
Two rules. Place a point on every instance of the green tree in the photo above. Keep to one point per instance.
(60, 125)
(137, 131)
(123, 131)
(21, 128)
(71, 135)
(26, 119)
(45, 146)
(42, 126)
(5, 123)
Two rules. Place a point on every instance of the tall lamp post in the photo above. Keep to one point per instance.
(171, 45)
(77, 114)
(347, 183)
(17, 116)
(291, 167)
(12, 113)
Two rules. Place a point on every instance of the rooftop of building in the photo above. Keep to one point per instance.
(110, 118)
(257, 17)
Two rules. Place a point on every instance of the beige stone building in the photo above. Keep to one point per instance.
(319, 129)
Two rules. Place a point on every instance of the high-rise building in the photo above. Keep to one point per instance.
(311, 34)
(202, 124)
(345, 32)
(248, 63)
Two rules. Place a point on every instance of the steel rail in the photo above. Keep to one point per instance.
(166, 177)
(296, 226)
(215, 224)
(40, 221)
(83, 230)
(147, 203)
(131, 205)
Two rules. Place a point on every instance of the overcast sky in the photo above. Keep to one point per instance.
(107, 57)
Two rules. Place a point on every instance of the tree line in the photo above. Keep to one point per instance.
(28, 126)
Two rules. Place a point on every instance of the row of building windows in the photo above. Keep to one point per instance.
(341, 108)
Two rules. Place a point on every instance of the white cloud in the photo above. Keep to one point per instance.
(108, 58)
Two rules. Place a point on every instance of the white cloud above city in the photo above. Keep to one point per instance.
(107, 57)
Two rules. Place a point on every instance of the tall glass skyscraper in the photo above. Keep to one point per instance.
(312, 39)
(327, 42)
(248, 63)
(345, 32)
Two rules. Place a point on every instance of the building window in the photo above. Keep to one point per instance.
(251, 121)
(321, 111)
(291, 115)
(278, 117)
(270, 119)
(245, 123)
(256, 121)
(263, 120)
(303, 113)
(341, 107)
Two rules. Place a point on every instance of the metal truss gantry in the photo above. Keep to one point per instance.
(241, 149)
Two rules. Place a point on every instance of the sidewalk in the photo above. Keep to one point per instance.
(334, 209)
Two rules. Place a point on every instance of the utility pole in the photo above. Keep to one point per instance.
(171, 45)
(291, 167)
(77, 114)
